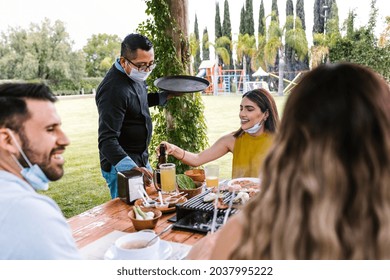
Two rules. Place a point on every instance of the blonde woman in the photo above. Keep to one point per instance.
(326, 181)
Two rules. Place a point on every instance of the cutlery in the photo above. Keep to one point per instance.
(229, 208)
(214, 221)
(150, 201)
(164, 230)
(146, 203)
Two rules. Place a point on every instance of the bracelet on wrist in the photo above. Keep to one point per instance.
(184, 154)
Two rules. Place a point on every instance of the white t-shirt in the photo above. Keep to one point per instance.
(32, 226)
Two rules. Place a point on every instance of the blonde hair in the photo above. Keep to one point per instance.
(326, 181)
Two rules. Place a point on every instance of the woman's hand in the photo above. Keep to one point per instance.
(170, 149)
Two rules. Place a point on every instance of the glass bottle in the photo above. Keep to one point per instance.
(162, 158)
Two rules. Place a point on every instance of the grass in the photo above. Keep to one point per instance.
(83, 187)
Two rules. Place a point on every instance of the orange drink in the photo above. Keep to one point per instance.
(212, 174)
(212, 181)
(168, 177)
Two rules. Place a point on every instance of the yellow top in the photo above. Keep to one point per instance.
(249, 154)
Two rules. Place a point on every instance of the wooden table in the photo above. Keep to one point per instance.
(112, 215)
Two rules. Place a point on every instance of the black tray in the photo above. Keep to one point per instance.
(181, 84)
(198, 222)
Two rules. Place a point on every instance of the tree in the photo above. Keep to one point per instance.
(205, 45)
(261, 27)
(227, 31)
(242, 21)
(275, 11)
(330, 36)
(249, 22)
(258, 59)
(332, 21)
(221, 50)
(300, 13)
(218, 27)
(101, 51)
(197, 59)
(181, 121)
(295, 38)
(246, 50)
(349, 24)
(384, 39)
(318, 22)
(361, 46)
(44, 52)
(272, 31)
(288, 51)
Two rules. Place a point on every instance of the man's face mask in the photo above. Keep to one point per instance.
(33, 174)
(138, 76)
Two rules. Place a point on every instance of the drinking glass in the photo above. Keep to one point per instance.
(212, 175)
(168, 177)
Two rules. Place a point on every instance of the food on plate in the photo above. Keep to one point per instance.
(211, 197)
(250, 185)
(141, 215)
(245, 184)
(184, 182)
(241, 198)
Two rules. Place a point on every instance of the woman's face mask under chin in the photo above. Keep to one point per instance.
(254, 129)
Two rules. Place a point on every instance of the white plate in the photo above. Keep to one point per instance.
(164, 252)
(252, 179)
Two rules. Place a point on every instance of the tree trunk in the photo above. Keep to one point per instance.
(179, 13)
(281, 74)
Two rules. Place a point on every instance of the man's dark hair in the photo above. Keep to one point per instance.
(132, 42)
(27, 90)
(13, 107)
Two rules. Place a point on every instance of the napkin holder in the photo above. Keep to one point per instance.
(129, 182)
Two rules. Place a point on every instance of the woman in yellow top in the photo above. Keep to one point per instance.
(249, 144)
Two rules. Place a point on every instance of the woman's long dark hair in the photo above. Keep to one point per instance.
(264, 101)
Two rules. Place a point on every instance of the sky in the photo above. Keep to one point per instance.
(83, 18)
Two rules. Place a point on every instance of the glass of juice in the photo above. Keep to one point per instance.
(212, 175)
(168, 177)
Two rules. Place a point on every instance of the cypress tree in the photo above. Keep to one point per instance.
(218, 27)
(197, 59)
(275, 11)
(350, 23)
(249, 22)
(205, 45)
(226, 26)
(300, 12)
(227, 30)
(289, 59)
(261, 29)
(242, 21)
(318, 22)
(332, 21)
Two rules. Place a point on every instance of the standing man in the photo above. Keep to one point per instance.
(125, 125)
(31, 147)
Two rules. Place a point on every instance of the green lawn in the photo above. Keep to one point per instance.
(82, 186)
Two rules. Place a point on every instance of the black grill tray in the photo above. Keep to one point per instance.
(196, 215)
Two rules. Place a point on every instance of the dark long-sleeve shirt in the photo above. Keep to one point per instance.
(125, 125)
